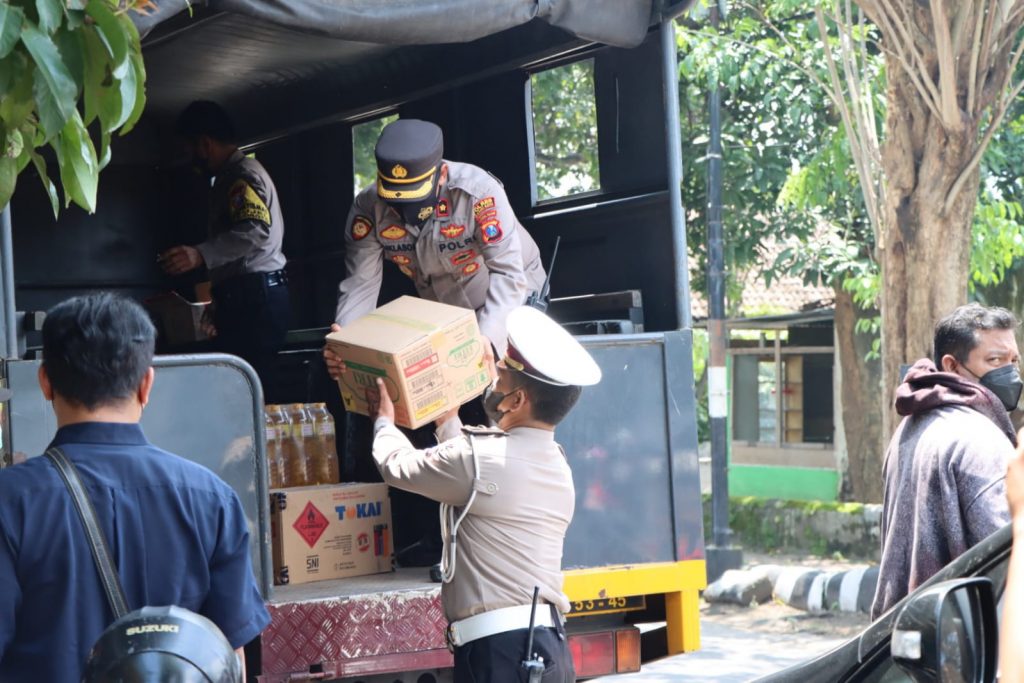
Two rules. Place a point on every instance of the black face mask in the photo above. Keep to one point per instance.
(492, 399)
(1005, 383)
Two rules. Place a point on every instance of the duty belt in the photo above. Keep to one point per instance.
(498, 621)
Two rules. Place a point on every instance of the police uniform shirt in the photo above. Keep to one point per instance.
(176, 531)
(471, 253)
(245, 224)
(511, 540)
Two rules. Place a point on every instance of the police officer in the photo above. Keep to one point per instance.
(507, 499)
(448, 226)
(243, 251)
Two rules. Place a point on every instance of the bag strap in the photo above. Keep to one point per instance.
(100, 552)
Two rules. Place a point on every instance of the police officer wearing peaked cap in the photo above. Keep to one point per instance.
(449, 227)
(507, 499)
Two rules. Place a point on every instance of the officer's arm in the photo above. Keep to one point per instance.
(364, 266)
(498, 235)
(250, 224)
(442, 473)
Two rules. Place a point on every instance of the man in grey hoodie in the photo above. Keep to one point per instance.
(945, 466)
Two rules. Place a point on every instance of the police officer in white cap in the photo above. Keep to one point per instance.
(507, 499)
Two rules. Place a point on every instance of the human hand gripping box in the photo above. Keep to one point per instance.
(430, 356)
(330, 532)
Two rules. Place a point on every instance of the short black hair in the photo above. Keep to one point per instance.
(549, 403)
(956, 334)
(97, 348)
(204, 117)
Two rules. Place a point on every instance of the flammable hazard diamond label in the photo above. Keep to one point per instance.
(311, 524)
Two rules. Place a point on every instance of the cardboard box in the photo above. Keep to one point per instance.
(178, 320)
(430, 355)
(330, 532)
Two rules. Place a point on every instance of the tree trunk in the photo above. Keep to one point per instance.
(924, 250)
(860, 382)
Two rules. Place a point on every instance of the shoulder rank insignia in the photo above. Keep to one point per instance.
(480, 430)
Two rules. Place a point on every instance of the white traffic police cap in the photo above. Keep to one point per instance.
(540, 348)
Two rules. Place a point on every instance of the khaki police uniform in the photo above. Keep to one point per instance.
(509, 542)
(246, 266)
(512, 538)
(245, 224)
(507, 499)
(472, 252)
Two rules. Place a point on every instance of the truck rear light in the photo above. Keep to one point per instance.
(627, 650)
(593, 654)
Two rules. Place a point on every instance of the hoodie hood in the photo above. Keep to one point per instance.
(926, 388)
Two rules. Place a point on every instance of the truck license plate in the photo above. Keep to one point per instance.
(606, 605)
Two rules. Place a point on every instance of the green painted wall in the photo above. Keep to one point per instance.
(788, 483)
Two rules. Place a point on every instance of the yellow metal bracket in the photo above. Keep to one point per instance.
(679, 582)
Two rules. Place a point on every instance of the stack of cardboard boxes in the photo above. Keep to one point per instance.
(431, 358)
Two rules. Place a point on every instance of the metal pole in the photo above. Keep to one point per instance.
(717, 336)
(670, 74)
(7, 264)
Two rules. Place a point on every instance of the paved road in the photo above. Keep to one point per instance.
(732, 655)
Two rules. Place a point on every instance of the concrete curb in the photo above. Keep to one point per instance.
(803, 588)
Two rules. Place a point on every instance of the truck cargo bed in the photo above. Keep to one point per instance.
(345, 627)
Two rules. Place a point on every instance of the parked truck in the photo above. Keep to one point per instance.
(306, 83)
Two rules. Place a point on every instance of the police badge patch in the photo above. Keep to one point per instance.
(491, 232)
(361, 227)
(245, 205)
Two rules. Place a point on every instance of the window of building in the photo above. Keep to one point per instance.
(364, 139)
(564, 120)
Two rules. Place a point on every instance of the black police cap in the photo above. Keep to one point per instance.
(162, 644)
(408, 159)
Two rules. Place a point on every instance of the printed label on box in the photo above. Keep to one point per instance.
(311, 524)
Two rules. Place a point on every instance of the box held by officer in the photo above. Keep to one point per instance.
(178, 320)
(430, 356)
(330, 532)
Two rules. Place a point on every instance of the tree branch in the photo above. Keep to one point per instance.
(856, 143)
(972, 73)
(997, 120)
(951, 119)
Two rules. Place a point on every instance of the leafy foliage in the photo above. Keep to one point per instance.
(71, 75)
(565, 130)
(772, 118)
(364, 139)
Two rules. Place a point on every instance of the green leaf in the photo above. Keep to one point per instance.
(11, 19)
(139, 67)
(71, 49)
(8, 179)
(51, 189)
(6, 75)
(95, 73)
(104, 150)
(113, 33)
(76, 18)
(17, 104)
(79, 169)
(53, 86)
(50, 13)
(14, 144)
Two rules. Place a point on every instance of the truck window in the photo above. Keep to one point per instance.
(364, 137)
(564, 118)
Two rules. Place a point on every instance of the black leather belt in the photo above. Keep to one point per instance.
(278, 277)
